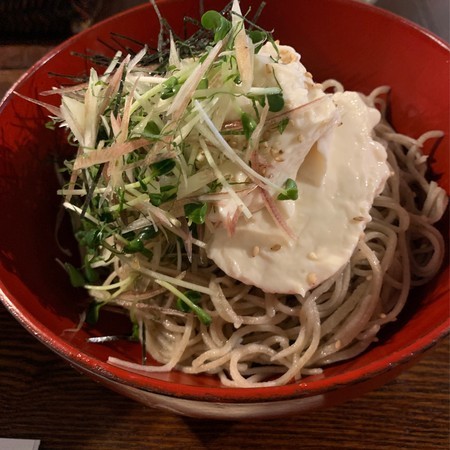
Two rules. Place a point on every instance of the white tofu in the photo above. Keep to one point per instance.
(337, 182)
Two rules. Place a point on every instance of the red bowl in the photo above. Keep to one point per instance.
(361, 46)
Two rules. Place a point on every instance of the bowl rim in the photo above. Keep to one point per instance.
(221, 393)
(225, 394)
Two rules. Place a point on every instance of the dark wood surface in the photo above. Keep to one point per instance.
(42, 397)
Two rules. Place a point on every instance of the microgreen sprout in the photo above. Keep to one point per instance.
(93, 312)
(282, 124)
(214, 21)
(136, 244)
(276, 102)
(76, 278)
(162, 167)
(195, 212)
(193, 296)
(248, 124)
(171, 87)
(166, 194)
(290, 190)
(151, 131)
(203, 316)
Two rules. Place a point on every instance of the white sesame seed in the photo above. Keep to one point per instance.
(311, 278)
(313, 256)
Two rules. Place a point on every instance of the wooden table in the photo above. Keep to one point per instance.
(41, 397)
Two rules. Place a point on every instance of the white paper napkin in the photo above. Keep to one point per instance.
(19, 444)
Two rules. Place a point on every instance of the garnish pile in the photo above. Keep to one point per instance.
(156, 153)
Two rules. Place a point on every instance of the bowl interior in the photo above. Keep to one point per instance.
(361, 46)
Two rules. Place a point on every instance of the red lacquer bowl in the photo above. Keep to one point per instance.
(359, 45)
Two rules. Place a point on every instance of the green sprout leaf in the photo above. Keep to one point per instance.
(276, 102)
(76, 278)
(166, 194)
(214, 186)
(203, 84)
(171, 87)
(121, 194)
(136, 244)
(91, 237)
(162, 167)
(188, 302)
(193, 296)
(203, 316)
(93, 312)
(142, 184)
(214, 21)
(135, 332)
(282, 124)
(248, 124)
(147, 233)
(90, 274)
(257, 36)
(290, 190)
(195, 212)
(151, 131)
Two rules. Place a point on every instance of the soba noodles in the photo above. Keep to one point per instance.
(255, 337)
(162, 155)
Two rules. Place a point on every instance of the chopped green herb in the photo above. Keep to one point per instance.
(193, 296)
(135, 335)
(195, 212)
(276, 102)
(214, 186)
(142, 184)
(204, 83)
(162, 167)
(148, 233)
(282, 124)
(172, 86)
(90, 238)
(290, 190)
(90, 274)
(121, 193)
(166, 194)
(257, 36)
(93, 312)
(76, 278)
(214, 21)
(151, 131)
(137, 244)
(248, 124)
